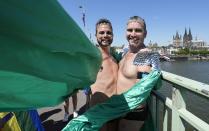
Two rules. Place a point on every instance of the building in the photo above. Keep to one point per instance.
(187, 39)
(198, 44)
(185, 42)
(177, 40)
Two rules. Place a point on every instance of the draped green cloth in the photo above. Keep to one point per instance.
(116, 106)
(44, 55)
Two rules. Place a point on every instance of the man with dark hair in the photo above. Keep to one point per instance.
(105, 84)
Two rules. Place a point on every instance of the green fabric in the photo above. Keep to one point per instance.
(117, 56)
(44, 55)
(116, 106)
(24, 121)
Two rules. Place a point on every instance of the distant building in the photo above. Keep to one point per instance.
(198, 43)
(177, 40)
(171, 50)
(187, 39)
(152, 45)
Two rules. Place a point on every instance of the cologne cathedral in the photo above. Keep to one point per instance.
(186, 41)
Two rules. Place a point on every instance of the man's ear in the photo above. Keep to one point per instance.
(145, 34)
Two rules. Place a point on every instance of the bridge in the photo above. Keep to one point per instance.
(174, 115)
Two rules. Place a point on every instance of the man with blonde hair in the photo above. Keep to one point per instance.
(132, 68)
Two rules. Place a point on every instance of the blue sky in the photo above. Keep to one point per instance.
(163, 17)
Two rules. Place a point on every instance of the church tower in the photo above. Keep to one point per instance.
(190, 35)
(177, 40)
(187, 38)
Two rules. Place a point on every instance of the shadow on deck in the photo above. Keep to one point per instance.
(53, 125)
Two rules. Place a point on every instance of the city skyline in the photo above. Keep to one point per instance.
(163, 17)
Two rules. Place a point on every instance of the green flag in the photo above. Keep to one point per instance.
(116, 106)
(44, 55)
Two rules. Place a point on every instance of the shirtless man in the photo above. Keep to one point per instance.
(128, 72)
(105, 85)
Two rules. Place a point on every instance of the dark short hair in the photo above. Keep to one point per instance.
(103, 21)
(139, 20)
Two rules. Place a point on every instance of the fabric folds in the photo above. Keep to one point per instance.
(44, 55)
(116, 106)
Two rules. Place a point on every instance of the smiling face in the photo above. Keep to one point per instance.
(135, 34)
(104, 35)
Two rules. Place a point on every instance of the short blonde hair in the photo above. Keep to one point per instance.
(139, 20)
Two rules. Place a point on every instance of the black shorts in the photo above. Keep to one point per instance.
(139, 114)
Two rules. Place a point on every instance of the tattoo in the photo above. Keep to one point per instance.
(147, 58)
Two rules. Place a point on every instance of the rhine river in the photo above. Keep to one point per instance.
(195, 70)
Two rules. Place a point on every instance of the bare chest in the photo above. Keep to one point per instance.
(127, 68)
(109, 68)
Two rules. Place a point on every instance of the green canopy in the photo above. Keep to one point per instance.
(44, 55)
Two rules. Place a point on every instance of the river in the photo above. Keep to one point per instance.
(195, 70)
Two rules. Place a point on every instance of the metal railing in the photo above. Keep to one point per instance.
(177, 105)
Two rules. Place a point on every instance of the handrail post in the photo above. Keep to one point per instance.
(165, 118)
(158, 114)
(178, 103)
(152, 106)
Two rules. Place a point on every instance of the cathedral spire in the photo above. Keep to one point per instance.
(185, 33)
(185, 38)
(177, 35)
(190, 35)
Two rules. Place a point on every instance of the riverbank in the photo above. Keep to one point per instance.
(198, 58)
(180, 58)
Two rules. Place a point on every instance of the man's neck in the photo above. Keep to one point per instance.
(134, 49)
(105, 50)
